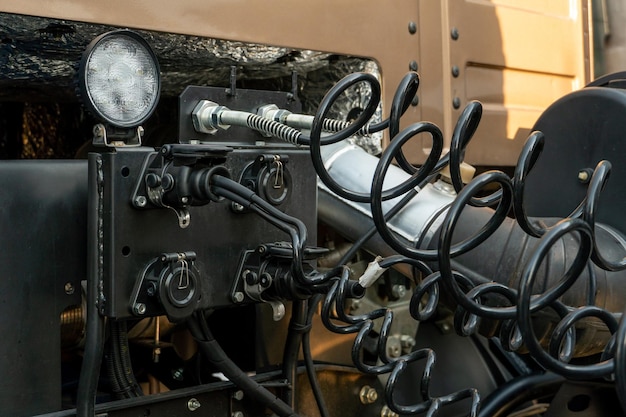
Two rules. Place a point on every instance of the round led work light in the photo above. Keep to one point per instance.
(119, 78)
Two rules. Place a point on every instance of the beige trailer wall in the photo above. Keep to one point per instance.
(516, 57)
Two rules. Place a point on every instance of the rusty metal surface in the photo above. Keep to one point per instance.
(516, 58)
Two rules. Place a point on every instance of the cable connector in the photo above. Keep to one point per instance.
(372, 273)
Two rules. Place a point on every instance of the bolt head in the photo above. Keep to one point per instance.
(193, 404)
(238, 297)
(368, 395)
(398, 291)
(387, 412)
(584, 176)
(238, 207)
(139, 309)
(412, 28)
(140, 201)
(152, 289)
(454, 34)
(69, 288)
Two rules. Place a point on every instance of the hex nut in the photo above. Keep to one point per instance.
(268, 111)
(201, 117)
(368, 395)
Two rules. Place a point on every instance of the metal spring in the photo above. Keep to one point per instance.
(270, 127)
(333, 125)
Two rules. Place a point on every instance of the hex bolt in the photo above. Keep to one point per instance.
(388, 412)
(193, 404)
(237, 207)
(140, 201)
(184, 200)
(237, 414)
(238, 297)
(69, 288)
(412, 28)
(238, 395)
(456, 102)
(407, 342)
(178, 374)
(398, 291)
(368, 395)
(139, 309)
(413, 65)
(152, 289)
(455, 71)
(394, 347)
(584, 175)
(454, 33)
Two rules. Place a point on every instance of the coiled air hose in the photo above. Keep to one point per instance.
(501, 257)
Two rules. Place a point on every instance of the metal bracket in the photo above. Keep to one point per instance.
(107, 136)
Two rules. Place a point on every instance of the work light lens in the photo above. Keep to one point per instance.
(120, 76)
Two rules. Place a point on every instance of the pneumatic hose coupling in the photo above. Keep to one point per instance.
(209, 117)
(271, 121)
(305, 121)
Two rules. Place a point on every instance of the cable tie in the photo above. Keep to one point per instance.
(372, 273)
(300, 328)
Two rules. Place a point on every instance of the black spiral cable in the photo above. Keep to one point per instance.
(363, 325)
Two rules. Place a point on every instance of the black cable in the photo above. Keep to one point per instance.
(517, 391)
(316, 141)
(297, 326)
(524, 303)
(308, 358)
(620, 362)
(118, 360)
(212, 350)
(401, 100)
